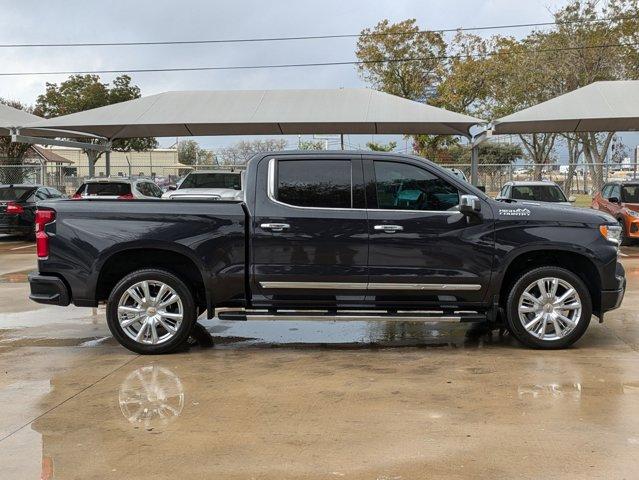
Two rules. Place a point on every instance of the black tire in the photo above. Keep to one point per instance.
(189, 315)
(512, 312)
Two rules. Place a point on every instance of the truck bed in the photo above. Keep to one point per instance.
(89, 233)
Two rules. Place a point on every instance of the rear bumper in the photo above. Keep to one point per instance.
(49, 290)
(611, 299)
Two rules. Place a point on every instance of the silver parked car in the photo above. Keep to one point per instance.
(211, 185)
(539, 191)
(120, 188)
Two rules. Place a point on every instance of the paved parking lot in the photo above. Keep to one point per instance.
(311, 400)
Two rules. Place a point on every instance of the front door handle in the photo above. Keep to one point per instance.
(275, 227)
(388, 228)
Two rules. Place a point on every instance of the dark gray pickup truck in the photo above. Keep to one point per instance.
(335, 234)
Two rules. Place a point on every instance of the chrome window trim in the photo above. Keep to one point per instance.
(270, 193)
(372, 286)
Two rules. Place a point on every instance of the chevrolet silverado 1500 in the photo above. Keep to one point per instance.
(332, 235)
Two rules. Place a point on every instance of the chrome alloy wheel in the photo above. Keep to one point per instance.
(549, 308)
(150, 312)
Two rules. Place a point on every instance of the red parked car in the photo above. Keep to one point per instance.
(621, 200)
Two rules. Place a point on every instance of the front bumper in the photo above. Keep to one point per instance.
(49, 290)
(611, 299)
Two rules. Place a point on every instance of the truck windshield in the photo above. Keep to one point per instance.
(630, 194)
(212, 180)
(15, 193)
(538, 193)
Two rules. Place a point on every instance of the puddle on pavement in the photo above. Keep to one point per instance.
(15, 277)
(355, 334)
(575, 391)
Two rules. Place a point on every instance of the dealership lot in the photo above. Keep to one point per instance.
(310, 399)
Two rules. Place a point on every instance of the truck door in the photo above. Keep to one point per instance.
(423, 251)
(310, 234)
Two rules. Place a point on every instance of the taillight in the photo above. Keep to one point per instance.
(126, 196)
(14, 209)
(42, 218)
(76, 196)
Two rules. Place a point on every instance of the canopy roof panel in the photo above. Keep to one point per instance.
(264, 112)
(598, 107)
(12, 117)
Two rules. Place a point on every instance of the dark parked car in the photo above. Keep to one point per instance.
(18, 205)
(340, 234)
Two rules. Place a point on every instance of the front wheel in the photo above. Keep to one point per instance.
(151, 311)
(548, 308)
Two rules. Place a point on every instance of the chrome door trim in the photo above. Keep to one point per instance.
(425, 286)
(371, 286)
(316, 285)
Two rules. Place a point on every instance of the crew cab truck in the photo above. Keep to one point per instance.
(335, 234)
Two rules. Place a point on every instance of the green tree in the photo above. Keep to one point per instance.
(242, 151)
(311, 145)
(190, 153)
(381, 147)
(84, 92)
(380, 47)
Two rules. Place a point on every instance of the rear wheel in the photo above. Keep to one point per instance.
(548, 308)
(151, 311)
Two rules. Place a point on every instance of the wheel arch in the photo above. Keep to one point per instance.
(577, 262)
(119, 263)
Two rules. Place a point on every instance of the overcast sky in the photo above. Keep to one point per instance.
(31, 21)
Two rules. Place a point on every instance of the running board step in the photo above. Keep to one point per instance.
(242, 315)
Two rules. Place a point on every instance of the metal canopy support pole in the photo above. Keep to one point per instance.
(475, 142)
(474, 161)
(107, 163)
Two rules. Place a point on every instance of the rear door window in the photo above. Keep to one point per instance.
(113, 189)
(315, 183)
(400, 186)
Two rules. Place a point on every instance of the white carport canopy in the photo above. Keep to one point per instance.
(12, 117)
(264, 112)
(599, 107)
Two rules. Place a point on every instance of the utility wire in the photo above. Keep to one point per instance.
(314, 64)
(311, 37)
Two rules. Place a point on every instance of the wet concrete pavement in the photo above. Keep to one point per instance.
(312, 399)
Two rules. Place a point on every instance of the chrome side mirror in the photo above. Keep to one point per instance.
(469, 204)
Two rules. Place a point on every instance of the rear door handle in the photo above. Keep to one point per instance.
(275, 227)
(388, 228)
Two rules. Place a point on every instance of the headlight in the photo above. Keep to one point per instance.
(632, 213)
(612, 233)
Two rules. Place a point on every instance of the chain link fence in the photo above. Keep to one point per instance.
(584, 179)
